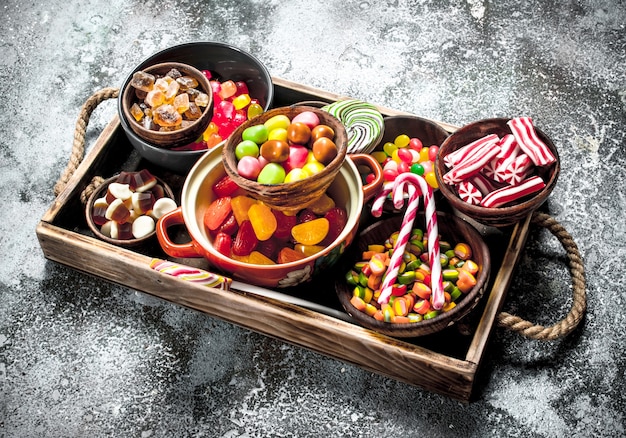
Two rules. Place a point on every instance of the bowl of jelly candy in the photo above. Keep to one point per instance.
(169, 104)
(497, 171)
(124, 209)
(465, 262)
(224, 66)
(252, 242)
(287, 157)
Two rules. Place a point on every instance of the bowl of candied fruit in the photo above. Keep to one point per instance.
(240, 87)
(247, 239)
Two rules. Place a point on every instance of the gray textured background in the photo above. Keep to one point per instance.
(81, 357)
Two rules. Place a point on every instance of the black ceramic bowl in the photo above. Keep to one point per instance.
(226, 62)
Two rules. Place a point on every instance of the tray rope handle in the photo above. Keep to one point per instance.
(78, 146)
(579, 304)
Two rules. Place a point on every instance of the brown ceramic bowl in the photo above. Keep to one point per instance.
(98, 193)
(297, 194)
(179, 137)
(507, 214)
(347, 190)
(451, 228)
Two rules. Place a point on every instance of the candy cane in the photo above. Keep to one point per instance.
(415, 185)
(381, 197)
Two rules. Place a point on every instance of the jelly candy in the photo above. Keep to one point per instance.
(287, 255)
(240, 205)
(284, 224)
(310, 232)
(324, 150)
(275, 151)
(272, 173)
(222, 243)
(263, 221)
(245, 241)
(225, 186)
(217, 212)
(279, 121)
(255, 133)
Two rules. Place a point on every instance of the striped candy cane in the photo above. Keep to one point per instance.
(415, 186)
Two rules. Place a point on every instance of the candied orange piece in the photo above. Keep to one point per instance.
(257, 258)
(322, 204)
(311, 232)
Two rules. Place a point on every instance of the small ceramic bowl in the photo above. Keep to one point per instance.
(346, 190)
(508, 214)
(99, 193)
(178, 137)
(451, 228)
(225, 62)
(296, 194)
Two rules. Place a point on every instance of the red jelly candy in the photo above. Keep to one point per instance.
(230, 225)
(337, 218)
(306, 215)
(284, 224)
(225, 187)
(217, 213)
(222, 243)
(245, 241)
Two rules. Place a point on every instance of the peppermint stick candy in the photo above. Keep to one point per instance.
(415, 185)
(381, 197)
(528, 140)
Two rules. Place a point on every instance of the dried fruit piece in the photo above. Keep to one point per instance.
(311, 232)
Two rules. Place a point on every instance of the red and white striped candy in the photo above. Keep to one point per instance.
(525, 134)
(509, 150)
(462, 153)
(483, 183)
(509, 194)
(472, 165)
(517, 171)
(469, 193)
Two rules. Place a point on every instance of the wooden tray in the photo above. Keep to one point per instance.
(446, 362)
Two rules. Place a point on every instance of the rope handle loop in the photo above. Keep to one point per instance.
(78, 146)
(579, 304)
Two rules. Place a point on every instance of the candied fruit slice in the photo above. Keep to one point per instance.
(311, 232)
(287, 255)
(263, 221)
(142, 81)
(167, 116)
(258, 258)
(322, 204)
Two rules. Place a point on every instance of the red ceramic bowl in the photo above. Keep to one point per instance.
(347, 190)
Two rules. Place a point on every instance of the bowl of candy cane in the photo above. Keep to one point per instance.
(415, 273)
(241, 88)
(497, 171)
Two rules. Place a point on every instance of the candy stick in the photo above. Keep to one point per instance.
(415, 185)
(454, 158)
(509, 150)
(471, 166)
(509, 194)
(188, 273)
(525, 134)
(381, 197)
(483, 183)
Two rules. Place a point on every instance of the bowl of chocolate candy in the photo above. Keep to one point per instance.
(497, 171)
(124, 209)
(240, 86)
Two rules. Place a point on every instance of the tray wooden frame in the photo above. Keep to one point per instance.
(407, 361)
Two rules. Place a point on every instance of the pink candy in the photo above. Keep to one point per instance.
(525, 134)
(509, 194)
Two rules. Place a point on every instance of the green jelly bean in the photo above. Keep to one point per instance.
(432, 314)
(272, 173)
(246, 148)
(255, 133)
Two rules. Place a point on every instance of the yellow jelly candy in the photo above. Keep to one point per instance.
(240, 205)
(313, 168)
(257, 258)
(311, 232)
(308, 250)
(263, 221)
